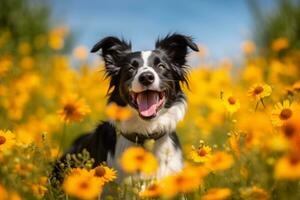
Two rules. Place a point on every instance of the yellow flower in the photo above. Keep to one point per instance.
(220, 161)
(254, 193)
(189, 179)
(115, 112)
(80, 52)
(82, 184)
(217, 194)
(56, 42)
(288, 167)
(248, 47)
(231, 103)
(74, 109)
(137, 159)
(104, 173)
(200, 154)
(282, 112)
(7, 140)
(259, 91)
(154, 190)
(56, 38)
(280, 43)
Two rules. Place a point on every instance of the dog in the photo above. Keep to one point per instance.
(149, 83)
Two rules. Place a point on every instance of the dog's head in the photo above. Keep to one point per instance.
(147, 80)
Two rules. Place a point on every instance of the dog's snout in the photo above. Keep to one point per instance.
(146, 78)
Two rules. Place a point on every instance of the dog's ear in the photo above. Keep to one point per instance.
(176, 47)
(113, 50)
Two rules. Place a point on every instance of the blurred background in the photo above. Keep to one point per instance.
(220, 27)
(48, 42)
(44, 48)
(244, 84)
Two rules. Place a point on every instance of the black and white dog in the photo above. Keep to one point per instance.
(149, 83)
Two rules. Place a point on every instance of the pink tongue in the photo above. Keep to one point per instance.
(147, 103)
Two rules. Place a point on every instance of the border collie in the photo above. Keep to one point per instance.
(149, 82)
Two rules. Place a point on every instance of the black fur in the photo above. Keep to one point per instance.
(98, 143)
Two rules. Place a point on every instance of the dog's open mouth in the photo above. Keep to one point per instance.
(148, 102)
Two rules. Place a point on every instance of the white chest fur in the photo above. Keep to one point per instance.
(167, 154)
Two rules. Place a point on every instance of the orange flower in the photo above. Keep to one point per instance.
(189, 179)
(82, 184)
(288, 167)
(220, 161)
(154, 190)
(115, 112)
(137, 159)
(280, 44)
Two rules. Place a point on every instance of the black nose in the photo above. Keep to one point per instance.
(146, 78)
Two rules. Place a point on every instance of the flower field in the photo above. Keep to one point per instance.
(240, 135)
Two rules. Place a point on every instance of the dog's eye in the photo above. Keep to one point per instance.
(161, 66)
(135, 64)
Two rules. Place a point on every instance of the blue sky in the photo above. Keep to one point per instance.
(220, 25)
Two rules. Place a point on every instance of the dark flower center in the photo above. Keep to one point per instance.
(294, 160)
(179, 180)
(99, 171)
(231, 100)
(285, 114)
(69, 109)
(153, 187)
(258, 90)
(84, 185)
(2, 139)
(202, 152)
(140, 158)
(288, 130)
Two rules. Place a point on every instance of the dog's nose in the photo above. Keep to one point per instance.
(146, 78)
